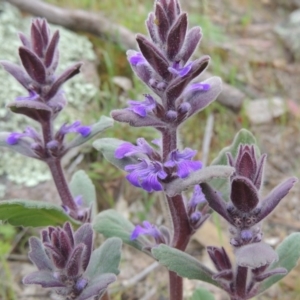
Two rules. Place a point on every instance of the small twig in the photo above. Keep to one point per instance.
(207, 138)
(138, 277)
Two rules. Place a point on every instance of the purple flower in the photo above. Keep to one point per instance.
(135, 58)
(182, 160)
(197, 198)
(199, 86)
(77, 128)
(142, 108)
(32, 96)
(146, 175)
(128, 149)
(181, 72)
(29, 132)
(146, 229)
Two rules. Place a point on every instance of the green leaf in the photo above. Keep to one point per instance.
(19, 212)
(182, 263)
(202, 294)
(176, 186)
(112, 224)
(108, 147)
(98, 127)
(242, 137)
(106, 258)
(289, 253)
(82, 185)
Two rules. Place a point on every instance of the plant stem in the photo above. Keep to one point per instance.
(181, 227)
(175, 286)
(61, 183)
(54, 164)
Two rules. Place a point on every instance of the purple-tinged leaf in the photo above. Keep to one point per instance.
(84, 235)
(35, 110)
(38, 255)
(215, 201)
(246, 166)
(173, 10)
(24, 40)
(73, 267)
(260, 171)
(65, 244)
(37, 42)
(244, 195)
(151, 26)
(97, 286)
(154, 56)
(202, 98)
(44, 278)
(255, 255)
(52, 48)
(192, 40)
(161, 22)
(17, 72)
(66, 75)
(127, 116)
(264, 276)
(33, 65)
(219, 258)
(45, 31)
(176, 36)
(275, 196)
(177, 86)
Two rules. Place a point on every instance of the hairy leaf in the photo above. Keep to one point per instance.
(108, 148)
(289, 254)
(82, 185)
(178, 185)
(182, 263)
(106, 258)
(26, 213)
(112, 224)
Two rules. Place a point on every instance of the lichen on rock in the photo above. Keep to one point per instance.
(79, 91)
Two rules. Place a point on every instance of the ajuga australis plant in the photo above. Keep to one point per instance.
(230, 186)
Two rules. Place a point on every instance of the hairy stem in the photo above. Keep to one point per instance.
(61, 183)
(56, 170)
(178, 213)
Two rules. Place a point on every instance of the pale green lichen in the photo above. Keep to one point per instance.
(79, 92)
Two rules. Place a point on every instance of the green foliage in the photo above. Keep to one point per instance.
(202, 294)
(110, 223)
(289, 253)
(19, 212)
(106, 258)
(182, 263)
(82, 185)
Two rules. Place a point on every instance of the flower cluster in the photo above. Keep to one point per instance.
(39, 57)
(163, 64)
(150, 171)
(246, 209)
(62, 258)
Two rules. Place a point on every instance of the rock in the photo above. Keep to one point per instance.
(289, 33)
(265, 110)
(80, 91)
